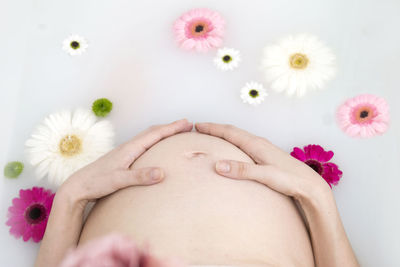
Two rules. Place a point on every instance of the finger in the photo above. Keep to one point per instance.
(268, 175)
(146, 139)
(258, 148)
(143, 176)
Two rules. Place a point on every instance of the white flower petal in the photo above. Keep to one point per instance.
(232, 64)
(83, 45)
(43, 148)
(282, 77)
(245, 93)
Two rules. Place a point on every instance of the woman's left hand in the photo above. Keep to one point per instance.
(273, 167)
(111, 172)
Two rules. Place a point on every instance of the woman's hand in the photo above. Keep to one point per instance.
(111, 172)
(98, 179)
(273, 167)
(285, 174)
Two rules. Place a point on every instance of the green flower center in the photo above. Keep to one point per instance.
(227, 58)
(253, 93)
(70, 145)
(75, 45)
(298, 61)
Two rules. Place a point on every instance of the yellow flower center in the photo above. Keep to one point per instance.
(298, 61)
(70, 145)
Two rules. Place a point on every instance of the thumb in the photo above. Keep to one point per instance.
(268, 175)
(142, 176)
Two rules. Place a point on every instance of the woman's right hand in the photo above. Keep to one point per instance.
(273, 167)
(112, 171)
(98, 179)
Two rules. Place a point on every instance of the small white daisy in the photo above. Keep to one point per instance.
(298, 63)
(227, 59)
(66, 141)
(253, 93)
(75, 45)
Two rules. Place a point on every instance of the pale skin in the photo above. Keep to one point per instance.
(273, 168)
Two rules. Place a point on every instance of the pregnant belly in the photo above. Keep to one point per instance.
(201, 217)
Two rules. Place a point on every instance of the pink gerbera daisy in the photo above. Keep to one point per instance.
(113, 250)
(317, 158)
(364, 116)
(199, 29)
(29, 213)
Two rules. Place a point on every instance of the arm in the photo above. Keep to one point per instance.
(62, 231)
(98, 179)
(285, 174)
(330, 244)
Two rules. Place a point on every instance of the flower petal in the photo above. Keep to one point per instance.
(298, 154)
(19, 225)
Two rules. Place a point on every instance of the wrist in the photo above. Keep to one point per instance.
(316, 196)
(70, 198)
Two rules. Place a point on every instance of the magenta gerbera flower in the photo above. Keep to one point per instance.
(318, 159)
(29, 213)
(199, 29)
(364, 116)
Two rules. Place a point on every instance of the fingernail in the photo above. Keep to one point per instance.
(202, 125)
(223, 166)
(155, 174)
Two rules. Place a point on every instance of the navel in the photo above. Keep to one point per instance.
(194, 154)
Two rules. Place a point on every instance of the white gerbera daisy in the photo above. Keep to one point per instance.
(297, 64)
(227, 59)
(66, 141)
(253, 93)
(75, 45)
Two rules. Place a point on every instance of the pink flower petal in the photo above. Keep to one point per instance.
(18, 229)
(188, 44)
(360, 128)
(380, 127)
(19, 226)
(27, 234)
(316, 151)
(353, 130)
(19, 204)
(111, 250)
(307, 151)
(26, 195)
(298, 154)
(325, 156)
(331, 173)
(38, 232)
(201, 43)
(15, 219)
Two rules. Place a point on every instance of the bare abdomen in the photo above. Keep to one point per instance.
(201, 217)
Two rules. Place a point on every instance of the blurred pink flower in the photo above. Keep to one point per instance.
(364, 116)
(113, 250)
(317, 158)
(199, 29)
(29, 213)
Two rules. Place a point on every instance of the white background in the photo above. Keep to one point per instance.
(133, 60)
